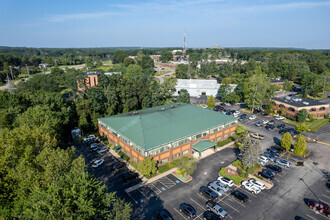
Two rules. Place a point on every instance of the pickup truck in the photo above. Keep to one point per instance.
(251, 187)
(216, 209)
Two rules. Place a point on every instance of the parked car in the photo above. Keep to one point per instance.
(252, 117)
(218, 108)
(227, 104)
(270, 127)
(117, 165)
(216, 208)
(279, 118)
(272, 154)
(257, 136)
(97, 163)
(271, 122)
(207, 215)
(239, 195)
(215, 188)
(319, 207)
(164, 215)
(89, 137)
(102, 149)
(259, 124)
(223, 186)
(262, 163)
(265, 122)
(283, 162)
(208, 193)
(264, 159)
(251, 187)
(267, 175)
(276, 168)
(257, 183)
(129, 176)
(281, 126)
(269, 171)
(188, 210)
(279, 149)
(226, 181)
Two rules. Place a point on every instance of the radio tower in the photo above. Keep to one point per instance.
(184, 45)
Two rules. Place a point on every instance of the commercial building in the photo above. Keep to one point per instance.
(91, 79)
(167, 132)
(293, 105)
(199, 87)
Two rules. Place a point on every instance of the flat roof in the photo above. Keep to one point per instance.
(298, 102)
(161, 125)
(202, 145)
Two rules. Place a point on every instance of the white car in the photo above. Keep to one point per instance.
(95, 146)
(279, 118)
(262, 163)
(215, 188)
(226, 181)
(223, 186)
(89, 137)
(98, 163)
(204, 106)
(235, 115)
(251, 187)
(227, 104)
(252, 117)
(265, 122)
(257, 183)
(263, 159)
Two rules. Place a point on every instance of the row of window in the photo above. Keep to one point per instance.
(293, 110)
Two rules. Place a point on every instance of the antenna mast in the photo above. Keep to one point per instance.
(184, 44)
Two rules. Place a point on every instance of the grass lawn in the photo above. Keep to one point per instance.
(312, 126)
(109, 62)
(246, 110)
(159, 73)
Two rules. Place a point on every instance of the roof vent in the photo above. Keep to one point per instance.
(179, 103)
(162, 109)
(135, 113)
(172, 106)
(306, 103)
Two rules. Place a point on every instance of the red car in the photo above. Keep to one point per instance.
(319, 207)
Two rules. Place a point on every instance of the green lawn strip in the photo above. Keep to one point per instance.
(313, 126)
(246, 110)
(237, 179)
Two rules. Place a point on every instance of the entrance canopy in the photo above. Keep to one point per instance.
(203, 145)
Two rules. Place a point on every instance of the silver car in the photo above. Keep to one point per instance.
(223, 186)
(283, 162)
(215, 188)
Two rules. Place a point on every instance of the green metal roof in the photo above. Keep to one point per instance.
(157, 126)
(203, 145)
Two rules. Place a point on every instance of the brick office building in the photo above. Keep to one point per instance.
(91, 79)
(294, 104)
(167, 132)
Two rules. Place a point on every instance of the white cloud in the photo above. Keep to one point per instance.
(78, 16)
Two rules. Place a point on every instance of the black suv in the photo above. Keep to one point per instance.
(210, 216)
(239, 195)
(281, 126)
(267, 175)
(276, 168)
(208, 193)
(270, 127)
(188, 210)
(117, 165)
(164, 215)
(129, 176)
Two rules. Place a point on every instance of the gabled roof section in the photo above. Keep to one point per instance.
(157, 126)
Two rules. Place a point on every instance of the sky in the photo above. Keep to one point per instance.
(161, 23)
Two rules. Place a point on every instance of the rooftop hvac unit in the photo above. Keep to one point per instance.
(306, 103)
(162, 109)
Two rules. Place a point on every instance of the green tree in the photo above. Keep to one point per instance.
(184, 96)
(210, 102)
(226, 80)
(282, 111)
(147, 166)
(223, 91)
(249, 150)
(128, 61)
(257, 88)
(166, 56)
(232, 98)
(186, 165)
(240, 129)
(119, 56)
(286, 141)
(302, 115)
(181, 71)
(299, 146)
(301, 127)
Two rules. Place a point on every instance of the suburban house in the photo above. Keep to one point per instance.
(294, 104)
(91, 79)
(199, 87)
(277, 81)
(167, 132)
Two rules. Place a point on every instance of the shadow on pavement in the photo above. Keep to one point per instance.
(277, 141)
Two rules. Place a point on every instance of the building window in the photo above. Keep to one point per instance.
(313, 110)
(176, 156)
(219, 138)
(164, 161)
(281, 106)
(135, 159)
(232, 133)
(291, 109)
(185, 152)
(225, 136)
(322, 108)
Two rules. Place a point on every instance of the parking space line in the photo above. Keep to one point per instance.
(237, 201)
(230, 206)
(311, 217)
(179, 213)
(325, 196)
(327, 191)
(324, 201)
(154, 188)
(201, 197)
(247, 191)
(168, 183)
(132, 198)
(142, 193)
(198, 204)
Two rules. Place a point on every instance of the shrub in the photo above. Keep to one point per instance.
(237, 163)
(223, 143)
(251, 169)
(123, 155)
(133, 164)
(275, 111)
(326, 116)
(291, 118)
(260, 177)
(257, 166)
(242, 174)
(163, 168)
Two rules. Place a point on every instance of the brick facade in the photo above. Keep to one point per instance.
(186, 148)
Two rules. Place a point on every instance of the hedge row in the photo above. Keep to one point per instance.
(123, 155)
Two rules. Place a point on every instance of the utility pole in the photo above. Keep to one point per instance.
(184, 44)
